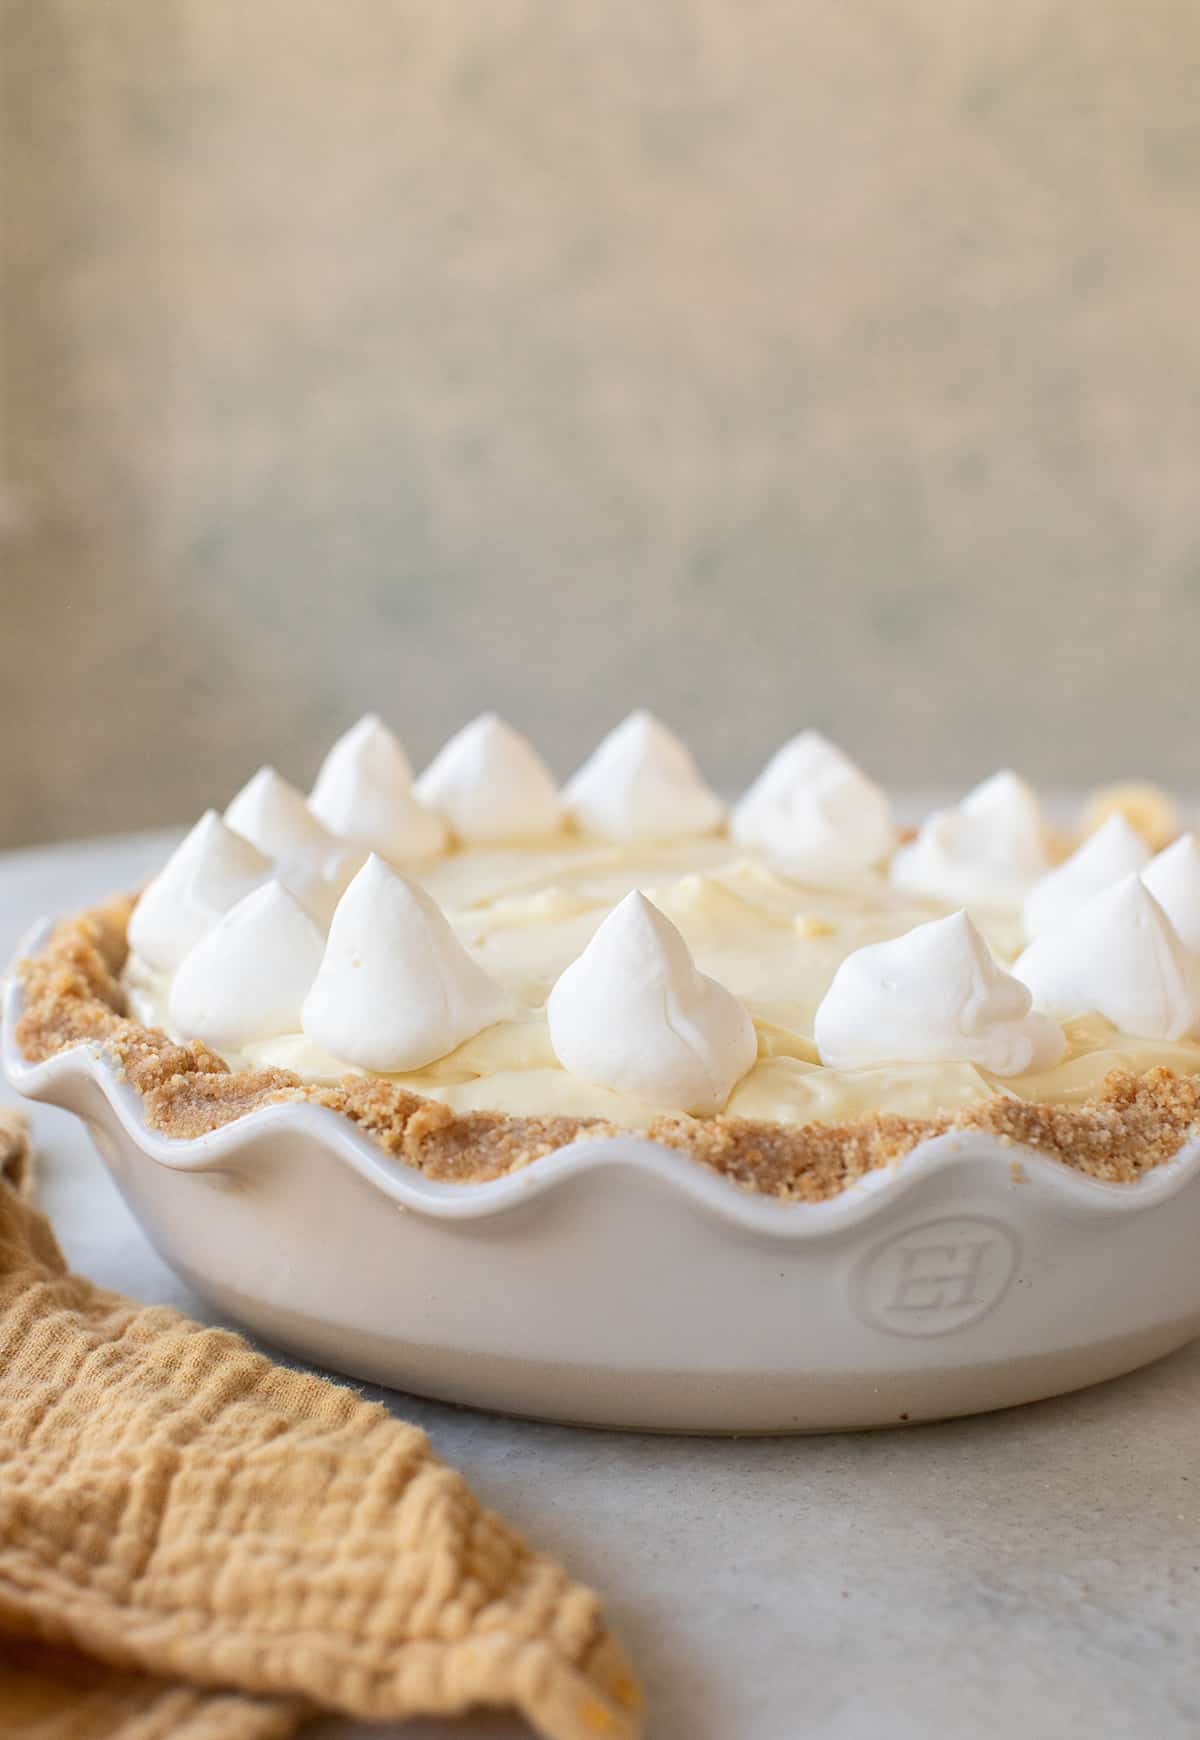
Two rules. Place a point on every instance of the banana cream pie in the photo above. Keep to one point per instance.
(476, 966)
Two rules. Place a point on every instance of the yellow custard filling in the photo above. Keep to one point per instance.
(526, 912)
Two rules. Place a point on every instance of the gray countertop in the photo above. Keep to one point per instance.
(1031, 1573)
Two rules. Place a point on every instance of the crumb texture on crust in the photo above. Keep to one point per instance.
(73, 996)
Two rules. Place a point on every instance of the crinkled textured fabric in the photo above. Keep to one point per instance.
(196, 1544)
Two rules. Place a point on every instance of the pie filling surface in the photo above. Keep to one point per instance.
(526, 912)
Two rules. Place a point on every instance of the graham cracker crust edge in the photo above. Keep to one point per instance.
(73, 995)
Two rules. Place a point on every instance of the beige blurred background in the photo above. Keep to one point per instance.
(774, 363)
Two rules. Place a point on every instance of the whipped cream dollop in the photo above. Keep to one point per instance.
(310, 861)
(247, 978)
(207, 873)
(1120, 957)
(1173, 877)
(987, 853)
(396, 989)
(634, 1014)
(814, 813)
(491, 785)
(933, 995)
(641, 783)
(364, 793)
(1114, 851)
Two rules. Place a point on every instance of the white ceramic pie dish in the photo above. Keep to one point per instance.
(618, 1283)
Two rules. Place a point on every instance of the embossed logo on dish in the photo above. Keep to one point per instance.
(936, 1277)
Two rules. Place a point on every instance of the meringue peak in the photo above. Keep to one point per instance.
(1114, 851)
(208, 872)
(368, 749)
(1173, 877)
(396, 988)
(313, 863)
(270, 813)
(364, 793)
(641, 783)
(936, 995)
(1006, 794)
(1120, 957)
(814, 812)
(634, 1014)
(246, 979)
(491, 785)
(987, 853)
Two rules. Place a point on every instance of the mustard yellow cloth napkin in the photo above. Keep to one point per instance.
(196, 1544)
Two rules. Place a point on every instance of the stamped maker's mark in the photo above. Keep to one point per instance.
(937, 1277)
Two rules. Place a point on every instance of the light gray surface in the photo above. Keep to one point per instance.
(778, 364)
(1034, 1573)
